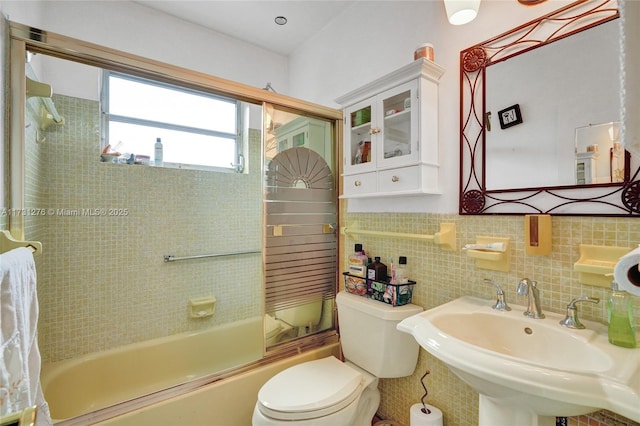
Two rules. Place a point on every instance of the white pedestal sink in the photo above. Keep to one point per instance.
(528, 371)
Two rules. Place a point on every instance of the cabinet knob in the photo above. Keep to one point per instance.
(395, 179)
(357, 183)
(374, 130)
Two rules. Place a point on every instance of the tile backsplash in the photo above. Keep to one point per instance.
(445, 275)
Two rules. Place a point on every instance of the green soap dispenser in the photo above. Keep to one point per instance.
(622, 331)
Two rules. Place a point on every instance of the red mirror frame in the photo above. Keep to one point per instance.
(611, 199)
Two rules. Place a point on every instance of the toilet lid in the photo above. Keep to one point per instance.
(312, 389)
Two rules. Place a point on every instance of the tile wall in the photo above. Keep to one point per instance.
(444, 275)
(102, 279)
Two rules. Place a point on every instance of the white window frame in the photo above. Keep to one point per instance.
(237, 166)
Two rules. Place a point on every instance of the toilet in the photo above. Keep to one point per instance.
(329, 392)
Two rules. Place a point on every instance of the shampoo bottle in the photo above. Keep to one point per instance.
(358, 262)
(393, 278)
(377, 271)
(401, 270)
(158, 152)
(620, 312)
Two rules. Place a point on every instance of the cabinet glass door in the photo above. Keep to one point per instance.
(298, 140)
(360, 149)
(399, 142)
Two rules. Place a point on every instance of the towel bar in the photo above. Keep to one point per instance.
(171, 258)
(446, 237)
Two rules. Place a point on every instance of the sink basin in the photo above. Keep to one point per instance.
(526, 370)
(529, 341)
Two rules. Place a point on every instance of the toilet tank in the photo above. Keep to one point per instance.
(369, 337)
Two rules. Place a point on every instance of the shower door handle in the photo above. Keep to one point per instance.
(330, 228)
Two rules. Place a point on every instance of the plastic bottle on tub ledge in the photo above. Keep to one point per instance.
(357, 265)
(157, 153)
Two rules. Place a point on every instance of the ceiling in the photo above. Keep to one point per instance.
(253, 21)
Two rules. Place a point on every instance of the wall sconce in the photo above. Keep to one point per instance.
(460, 12)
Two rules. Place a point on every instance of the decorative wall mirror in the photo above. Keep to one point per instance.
(540, 119)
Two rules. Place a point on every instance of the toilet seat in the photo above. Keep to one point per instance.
(310, 390)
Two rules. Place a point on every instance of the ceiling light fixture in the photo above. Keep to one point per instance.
(280, 20)
(460, 12)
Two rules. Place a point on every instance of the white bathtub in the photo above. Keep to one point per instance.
(88, 383)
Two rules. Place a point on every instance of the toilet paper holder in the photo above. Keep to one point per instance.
(596, 263)
(627, 272)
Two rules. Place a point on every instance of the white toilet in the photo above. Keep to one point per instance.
(329, 392)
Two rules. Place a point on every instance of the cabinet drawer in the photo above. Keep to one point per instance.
(363, 183)
(403, 179)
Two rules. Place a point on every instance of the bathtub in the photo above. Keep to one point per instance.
(91, 382)
(228, 402)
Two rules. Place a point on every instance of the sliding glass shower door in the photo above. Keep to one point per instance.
(300, 225)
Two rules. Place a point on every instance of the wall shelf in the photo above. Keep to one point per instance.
(489, 259)
(596, 263)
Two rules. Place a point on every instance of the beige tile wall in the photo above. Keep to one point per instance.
(442, 276)
(102, 280)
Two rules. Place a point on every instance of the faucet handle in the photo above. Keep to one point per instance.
(571, 320)
(501, 303)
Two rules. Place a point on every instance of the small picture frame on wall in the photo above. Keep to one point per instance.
(510, 116)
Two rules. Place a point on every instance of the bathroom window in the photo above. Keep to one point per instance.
(198, 130)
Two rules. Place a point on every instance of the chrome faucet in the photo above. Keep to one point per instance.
(571, 320)
(527, 287)
(501, 303)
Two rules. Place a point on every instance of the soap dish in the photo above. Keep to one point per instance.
(596, 263)
(492, 260)
(203, 307)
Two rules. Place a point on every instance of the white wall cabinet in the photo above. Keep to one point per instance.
(391, 134)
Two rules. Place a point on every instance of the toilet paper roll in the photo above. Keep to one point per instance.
(418, 418)
(626, 272)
